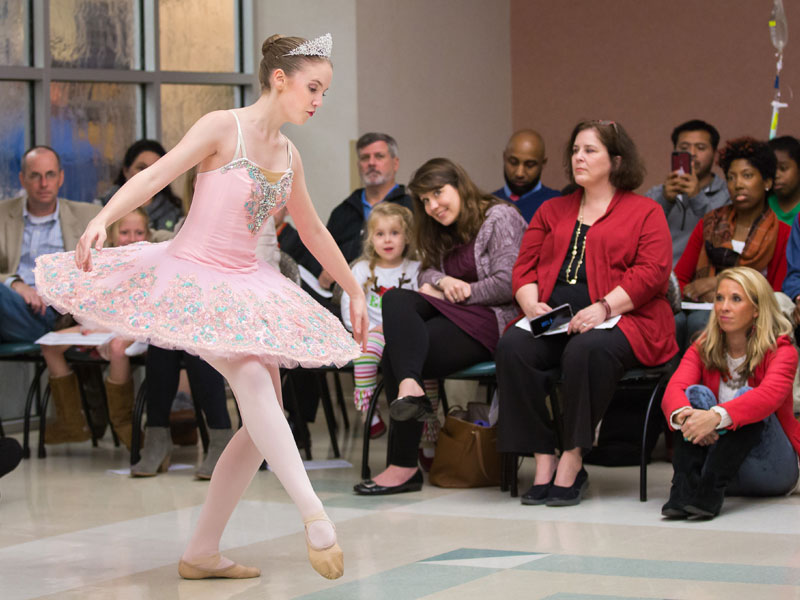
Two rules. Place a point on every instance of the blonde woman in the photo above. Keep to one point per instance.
(730, 402)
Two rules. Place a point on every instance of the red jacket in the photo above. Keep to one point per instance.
(776, 269)
(772, 382)
(629, 246)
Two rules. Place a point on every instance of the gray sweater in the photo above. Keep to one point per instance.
(496, 248)
(684, 213)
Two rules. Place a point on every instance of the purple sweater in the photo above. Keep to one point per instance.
(496, 248)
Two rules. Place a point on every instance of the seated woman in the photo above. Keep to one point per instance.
(164, 209)
(735, 380)
(606, 252)
(467, 241)
(70, 425)
(745, 233)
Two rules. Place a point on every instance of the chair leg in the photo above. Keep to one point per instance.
(136, 425)
(327, 407)
(643, 461)
(514, 475)
(34, 391)
(443, 398)
(85, 406)
(373, 403)
(43, 421)
(340, 400)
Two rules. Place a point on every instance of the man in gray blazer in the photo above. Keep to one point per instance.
(37, 223)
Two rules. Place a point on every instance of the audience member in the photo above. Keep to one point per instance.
(785, 199)
(64, 386)
(387, 262)
(468, 241)
(745, 233)
(523, 161)
(10, 455)
(378, 162)
(686, 197)
(735, 380)
(37, 223)
(606, 252)
(165, 208)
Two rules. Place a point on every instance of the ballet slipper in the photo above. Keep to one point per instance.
(234, 571)
(328, 562)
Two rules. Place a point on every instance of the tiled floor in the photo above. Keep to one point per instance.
(72, 528)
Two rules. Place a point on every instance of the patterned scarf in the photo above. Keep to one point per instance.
(718, 253)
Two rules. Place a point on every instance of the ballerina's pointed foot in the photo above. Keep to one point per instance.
(206, 569)
(327, 561)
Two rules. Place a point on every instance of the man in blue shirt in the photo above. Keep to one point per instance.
(523, 161)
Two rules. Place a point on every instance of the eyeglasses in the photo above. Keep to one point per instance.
(34, 177)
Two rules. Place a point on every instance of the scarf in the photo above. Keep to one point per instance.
(718, 253)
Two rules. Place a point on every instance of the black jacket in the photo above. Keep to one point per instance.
(346, 225)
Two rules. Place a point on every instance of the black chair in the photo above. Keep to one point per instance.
(27, 353)
(653, 379)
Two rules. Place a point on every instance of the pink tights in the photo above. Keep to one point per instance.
(265, 434)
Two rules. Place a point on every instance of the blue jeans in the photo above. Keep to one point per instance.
(17, 322)
(688, 323)
(770, 468)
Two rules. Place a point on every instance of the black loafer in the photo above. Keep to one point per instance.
(569, 496)
(407, 408)
(370, 488)
(537, 494)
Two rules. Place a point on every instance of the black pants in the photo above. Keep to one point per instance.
(591, 363)
(163, 368)
(421, 343)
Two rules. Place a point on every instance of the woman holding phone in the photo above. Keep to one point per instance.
(606, 252)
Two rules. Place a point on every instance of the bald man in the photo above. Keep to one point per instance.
(523, 161)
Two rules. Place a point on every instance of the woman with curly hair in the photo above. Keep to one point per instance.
(735, 380)
(745, 233)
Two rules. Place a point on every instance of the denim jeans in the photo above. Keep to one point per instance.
(17, 322)
(770, 468)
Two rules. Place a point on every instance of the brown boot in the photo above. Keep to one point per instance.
(70, 424)
(120, 409)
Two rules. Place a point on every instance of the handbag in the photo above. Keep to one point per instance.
(466, 452)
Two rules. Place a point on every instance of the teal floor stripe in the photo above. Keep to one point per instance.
(566, 596)
(663, 569)
(466, 553)
(404, 583)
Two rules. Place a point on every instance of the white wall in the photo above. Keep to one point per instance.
(324, 140)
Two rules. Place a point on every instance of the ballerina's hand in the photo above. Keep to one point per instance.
(359, 319)
(93, 237)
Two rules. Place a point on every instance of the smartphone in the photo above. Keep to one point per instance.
(550, 320)
(682, 162)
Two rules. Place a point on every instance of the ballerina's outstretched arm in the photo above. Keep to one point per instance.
(318, 240)
(203, 140)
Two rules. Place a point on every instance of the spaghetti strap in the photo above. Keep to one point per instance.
(289, 151)
(241, 152)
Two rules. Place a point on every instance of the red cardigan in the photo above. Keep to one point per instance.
(776, 269)
(629, 246)
(771, 382)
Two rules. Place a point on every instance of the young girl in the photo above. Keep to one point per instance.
(385, 263)
(206, 292)
(70, 426)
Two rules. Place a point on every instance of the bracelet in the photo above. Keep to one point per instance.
(604, 303)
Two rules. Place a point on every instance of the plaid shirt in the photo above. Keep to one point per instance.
(42, 235)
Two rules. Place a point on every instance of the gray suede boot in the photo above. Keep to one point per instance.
(155, 454)
(217, 440)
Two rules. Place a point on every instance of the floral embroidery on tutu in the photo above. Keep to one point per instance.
(265, 197)
(281, 324)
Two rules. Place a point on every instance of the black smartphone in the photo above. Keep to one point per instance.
(682, 162)
(550, 320)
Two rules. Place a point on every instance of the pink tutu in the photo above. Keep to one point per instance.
(204, 291)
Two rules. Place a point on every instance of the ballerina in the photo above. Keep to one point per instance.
(206, 293)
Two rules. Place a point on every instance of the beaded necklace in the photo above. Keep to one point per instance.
(574, 278)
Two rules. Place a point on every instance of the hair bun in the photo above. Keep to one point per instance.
(269, 42)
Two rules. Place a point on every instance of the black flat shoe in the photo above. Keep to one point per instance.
(569, 496)
(537, 494)
(370, 488)
(406, 408)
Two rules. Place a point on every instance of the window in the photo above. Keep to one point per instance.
(90, 77)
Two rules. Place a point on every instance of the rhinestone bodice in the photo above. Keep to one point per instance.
(265, 197)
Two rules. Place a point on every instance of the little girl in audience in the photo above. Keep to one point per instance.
(70, 425)
(385, 263)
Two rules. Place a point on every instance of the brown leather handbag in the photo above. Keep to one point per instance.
(466, 453)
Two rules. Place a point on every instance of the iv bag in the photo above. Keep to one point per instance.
(778, 29)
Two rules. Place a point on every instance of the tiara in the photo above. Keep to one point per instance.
(320, 46)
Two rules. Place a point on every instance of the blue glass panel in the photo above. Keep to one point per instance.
(15, 133)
